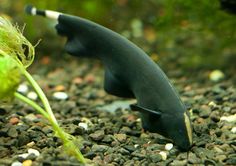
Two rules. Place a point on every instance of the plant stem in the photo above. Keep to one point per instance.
(49, 115)
(32, 104)
(41, 95)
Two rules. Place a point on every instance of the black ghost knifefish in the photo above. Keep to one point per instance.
(129, 72)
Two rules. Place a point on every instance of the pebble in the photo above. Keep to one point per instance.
(99, 148)
(163, 155)
(212, 103)
(27, 163)
(78, 80)
(23, 139)
(14, 120)
(226, 109)
(123, 151)
(108, 158)
(136, 145)
(16, 163)
(97, 135)
(24, 155)
(90, 78)
(192, 158)
(31, 117)
(83, 125)
(32, 95)
(108, 138)
(216, 75)
(22, 88)
(215, 116)
(121, 137)
(60, 95)
(139, 154)
(221, 157)
(231, 118)
(59, 88)
(179, 163)
(30, 144)
(12, 132)
(33, 151)
(209, 162)
(168, 146)
(155, 157)
(204, 111)
(233, 130)
(154, 147)
(218, 150)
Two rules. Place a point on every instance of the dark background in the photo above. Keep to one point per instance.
(185, 34)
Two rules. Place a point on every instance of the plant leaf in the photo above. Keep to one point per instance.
(14, 44)
(10, 75)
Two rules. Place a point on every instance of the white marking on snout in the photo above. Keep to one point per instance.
(33, 11)
(188, 127)
(52, 14)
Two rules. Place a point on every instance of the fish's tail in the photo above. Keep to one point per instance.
(31, 10)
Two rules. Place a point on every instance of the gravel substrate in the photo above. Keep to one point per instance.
(116, 137)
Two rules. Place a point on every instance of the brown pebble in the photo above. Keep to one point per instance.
(187, 88)
(14, 120)
(77, 80)
(59, 88)
(200, 121)
(45, 60)
(131, 118)
(89, 78)
(27, 163)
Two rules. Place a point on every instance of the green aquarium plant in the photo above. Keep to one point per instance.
(16, 54)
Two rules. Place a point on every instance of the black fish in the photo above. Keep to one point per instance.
(129, 72)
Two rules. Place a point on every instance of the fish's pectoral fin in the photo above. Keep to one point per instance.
(115, 87)
(141, 109)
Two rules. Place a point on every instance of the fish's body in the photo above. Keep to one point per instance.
(129, 72)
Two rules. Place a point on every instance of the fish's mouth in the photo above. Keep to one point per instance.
(189, 128)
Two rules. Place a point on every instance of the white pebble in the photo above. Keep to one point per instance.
(163, 155)
(231, 118)
(32, 95)
(168, 146)
(216, 75)
(24, 155)
(60, 95)
(83, 125)
(16, 163)
(233, 130)
(31, 117)
(138, 120)
(33, 151)
(136, 145)
(212, 103)
(22, 88)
